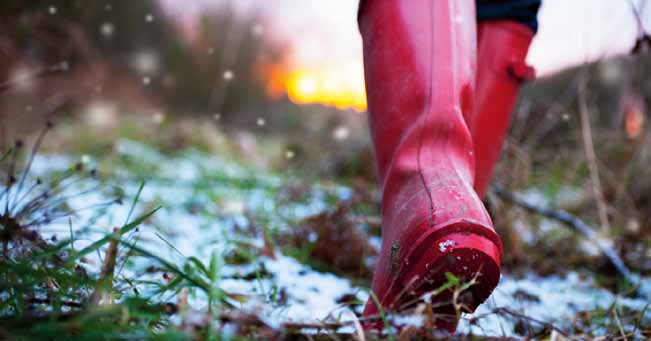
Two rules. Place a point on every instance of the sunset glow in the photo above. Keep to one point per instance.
(325, 46)
(340, 86)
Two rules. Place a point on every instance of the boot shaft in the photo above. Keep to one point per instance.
(419, 60)
(502, 50)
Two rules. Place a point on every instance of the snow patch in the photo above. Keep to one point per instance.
(443, 246)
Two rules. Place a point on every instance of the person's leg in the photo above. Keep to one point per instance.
(419, 60)
(504, 31)
(524, 12)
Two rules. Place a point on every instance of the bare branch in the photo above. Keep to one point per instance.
(573, 222)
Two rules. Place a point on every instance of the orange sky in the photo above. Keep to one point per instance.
(326, 57)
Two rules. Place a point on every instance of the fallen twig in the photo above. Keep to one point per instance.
(507, 311)
(573, 222)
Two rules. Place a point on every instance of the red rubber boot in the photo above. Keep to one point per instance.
(419, 60)
(501, 69)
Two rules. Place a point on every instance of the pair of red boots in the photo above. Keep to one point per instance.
(440, 91)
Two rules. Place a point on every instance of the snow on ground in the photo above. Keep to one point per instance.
(552, 299)
(292, 291)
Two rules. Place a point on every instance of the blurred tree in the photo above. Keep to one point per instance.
(131, 53)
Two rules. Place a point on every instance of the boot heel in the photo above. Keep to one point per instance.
(470, 257)
(467, 256)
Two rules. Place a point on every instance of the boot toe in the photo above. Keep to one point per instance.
(471, 259)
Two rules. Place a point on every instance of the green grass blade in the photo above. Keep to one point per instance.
(125, 229)
(135, 201)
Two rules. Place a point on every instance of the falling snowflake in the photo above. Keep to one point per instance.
(107, 29)
(149, 18)
(257, 30)
(228, 75)
(22, 79)
(289, 154)
(261, 122)
(146, 80)
(52, 10)
(216, 116)
(100, 113)
(158, 117)
(63, 66)
(145, 62)
(341, 133)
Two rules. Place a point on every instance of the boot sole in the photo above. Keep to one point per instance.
(469, 256)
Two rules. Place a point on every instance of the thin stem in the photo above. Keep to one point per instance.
(590, 154)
